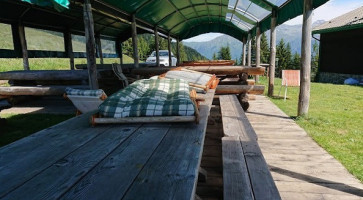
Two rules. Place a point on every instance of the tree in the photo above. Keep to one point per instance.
(163, 43)
(183, 55)
(224, 53)
(265, 49)
(143, 48)
(283, 53)
(295, 61)
(314, 61)
(214, 56)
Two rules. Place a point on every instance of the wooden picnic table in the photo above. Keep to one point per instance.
(132, 161)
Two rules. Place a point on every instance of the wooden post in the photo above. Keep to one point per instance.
(157, 55)
(244, 51)
(271, 77)
(169, 49)
(24, 48)
(258, 49)
(249, 49)
(90, 44)
(304, 95)
(119, 50)
(16, 40)
(134, 42)
(99, 48)
(69, 48)
(177, 52)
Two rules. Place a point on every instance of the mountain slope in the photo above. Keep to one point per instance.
(290, 33)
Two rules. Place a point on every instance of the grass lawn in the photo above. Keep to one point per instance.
(10, 64)
(335, 120)
(22, 125)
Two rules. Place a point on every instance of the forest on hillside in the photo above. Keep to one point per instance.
(285, 59)
(146, 45)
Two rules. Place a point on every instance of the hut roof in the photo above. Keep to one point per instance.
(350, 20)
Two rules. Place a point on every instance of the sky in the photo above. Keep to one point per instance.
(328, 11)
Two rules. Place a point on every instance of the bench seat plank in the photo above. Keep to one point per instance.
(236, 181)
(234, 119)
(262, 183)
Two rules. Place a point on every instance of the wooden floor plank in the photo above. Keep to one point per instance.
(300, 167)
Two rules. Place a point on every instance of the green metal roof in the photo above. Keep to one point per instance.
(189, 18)
(183, 18)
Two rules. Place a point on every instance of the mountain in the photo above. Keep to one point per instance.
(290, 33)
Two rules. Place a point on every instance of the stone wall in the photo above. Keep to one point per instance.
(326, 77)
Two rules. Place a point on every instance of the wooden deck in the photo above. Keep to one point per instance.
(75, 161)
(301, 168)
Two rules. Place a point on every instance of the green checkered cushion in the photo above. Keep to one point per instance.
(161, 97)
(77, 92)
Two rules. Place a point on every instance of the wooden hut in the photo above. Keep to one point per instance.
(341, 45)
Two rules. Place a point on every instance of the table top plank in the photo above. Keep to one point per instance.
(37, 152)
(172, 171)
(111, 178)
(49, 185)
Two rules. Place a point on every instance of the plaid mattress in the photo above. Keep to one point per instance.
(76, 92)
(160, 97)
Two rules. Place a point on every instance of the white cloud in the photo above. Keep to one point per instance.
(330, 10)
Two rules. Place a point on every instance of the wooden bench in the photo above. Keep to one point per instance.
(245, 171)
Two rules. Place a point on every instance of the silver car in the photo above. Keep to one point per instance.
(164, 58)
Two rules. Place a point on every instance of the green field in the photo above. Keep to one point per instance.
(9, 64)
(334, 121)
(50, 41)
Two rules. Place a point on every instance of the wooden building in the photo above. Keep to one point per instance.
(341, 45)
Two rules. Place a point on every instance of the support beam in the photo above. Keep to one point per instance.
(157, 55)
(217, 70)
(169, 49)
(271, 77)
(244, 51)
(249, 49)
(177, 52)
(238, 89)
(304, 96)
(90, 44)
(134, 42)
(16, 39)
(119, 50)
(69, 48)
(258, 49)
(24, 48)
(99, 48)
